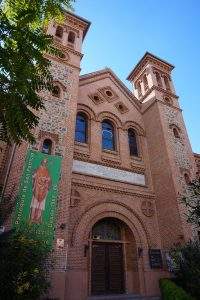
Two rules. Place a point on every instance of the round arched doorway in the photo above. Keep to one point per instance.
(113, 260)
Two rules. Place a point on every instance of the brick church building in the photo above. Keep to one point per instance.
(126, 158)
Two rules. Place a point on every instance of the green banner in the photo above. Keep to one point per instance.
(37, 199)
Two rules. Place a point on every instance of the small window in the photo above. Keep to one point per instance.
(166, 81)
(59, 32)
(176, 133)
(132, 140)
(56, 91)
(158, 78)
(71, 37)
(108, 138)
(81, 128)
(109, 94)
(187, 178)
(47, 146)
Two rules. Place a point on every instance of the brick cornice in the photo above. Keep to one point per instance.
(107, 188)
(154, 100)
(159, 89)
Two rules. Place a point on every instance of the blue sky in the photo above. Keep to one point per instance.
(122, 31)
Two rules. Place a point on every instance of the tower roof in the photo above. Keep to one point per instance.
(80, 19)
(148, 57)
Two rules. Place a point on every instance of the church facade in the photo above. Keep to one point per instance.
(126, 158)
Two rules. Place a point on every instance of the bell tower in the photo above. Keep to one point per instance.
(171, 156)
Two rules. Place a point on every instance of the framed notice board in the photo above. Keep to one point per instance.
(155, 259)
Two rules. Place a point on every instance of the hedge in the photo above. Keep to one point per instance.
(170, 291)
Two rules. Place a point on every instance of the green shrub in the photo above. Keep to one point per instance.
(186, 271)
(170, 291)
(23, 266)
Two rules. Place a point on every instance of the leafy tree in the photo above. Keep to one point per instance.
(23, 265)
(24, 70)
(191, 199)
(187, 267)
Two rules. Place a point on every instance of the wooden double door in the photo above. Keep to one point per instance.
(107, 270)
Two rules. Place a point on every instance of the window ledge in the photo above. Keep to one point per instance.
(85, 145)
(113, 152)
(133, 158)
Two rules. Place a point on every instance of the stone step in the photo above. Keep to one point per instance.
(123, 297)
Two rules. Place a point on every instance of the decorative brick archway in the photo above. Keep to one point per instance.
(80, 246)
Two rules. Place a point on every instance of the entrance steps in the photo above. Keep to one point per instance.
(123, 297)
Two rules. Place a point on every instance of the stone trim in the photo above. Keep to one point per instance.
(82, 156)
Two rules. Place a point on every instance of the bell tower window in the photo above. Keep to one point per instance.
(158, 79)
(166, 81)
(71, 37)
(139, 89)
(59, 32)
(145, 80)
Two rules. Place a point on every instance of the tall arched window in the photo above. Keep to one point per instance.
(81, 128)
(166, 81)
(108, 135)
(47, 146)
(132, 140)
(71, 37)
(59, 31)
(158, 78)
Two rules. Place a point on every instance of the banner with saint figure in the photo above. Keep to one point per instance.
(37, 198)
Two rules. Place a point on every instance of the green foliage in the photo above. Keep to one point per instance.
(24, 70)
(187, 267)
(22, 263)
(6, 206)
(170, 291)
(192, 201)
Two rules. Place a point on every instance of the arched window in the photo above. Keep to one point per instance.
(56, 91)
(108, 137)
(71, 37)
(132, 140)
(176, 133)
(59, 31)
(81, 128)
(146, 86)
(187, 178)
(166, 81)
(107, 229)
(158, 78)
(47, 146)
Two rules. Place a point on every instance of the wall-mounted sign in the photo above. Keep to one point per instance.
(37, 198)
(155, 258)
